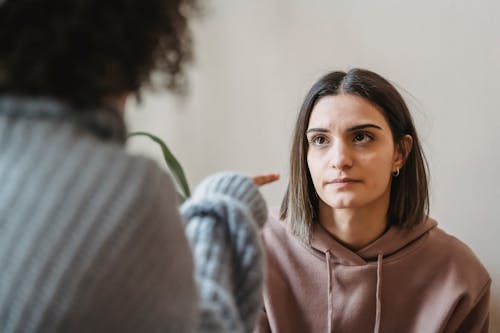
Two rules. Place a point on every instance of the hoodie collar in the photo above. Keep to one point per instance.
(392, 241)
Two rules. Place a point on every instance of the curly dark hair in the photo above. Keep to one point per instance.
(85, 51)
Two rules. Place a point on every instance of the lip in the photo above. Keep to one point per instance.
(340, 182)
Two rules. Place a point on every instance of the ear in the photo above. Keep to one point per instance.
(401, 152)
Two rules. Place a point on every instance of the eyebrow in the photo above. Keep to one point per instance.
(350, 129)
(359, 127)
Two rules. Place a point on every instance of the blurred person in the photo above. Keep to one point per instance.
(91, 238)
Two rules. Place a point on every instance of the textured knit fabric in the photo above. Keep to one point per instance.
(223, 217)
(418, 281)
(91, 239)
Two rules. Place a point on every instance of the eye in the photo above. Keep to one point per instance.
(362, 137)
(318, 140)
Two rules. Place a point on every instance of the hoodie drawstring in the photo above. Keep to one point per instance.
(330, 291)
(378, 297)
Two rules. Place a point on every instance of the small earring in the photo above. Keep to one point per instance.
(395, 174)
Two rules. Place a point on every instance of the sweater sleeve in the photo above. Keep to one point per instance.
(222, 221)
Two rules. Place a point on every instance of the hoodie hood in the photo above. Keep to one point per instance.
(417, 280)
(392, 243)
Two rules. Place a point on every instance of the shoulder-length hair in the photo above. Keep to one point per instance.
(409, 199)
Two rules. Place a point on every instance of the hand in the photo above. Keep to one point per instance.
(265, 179)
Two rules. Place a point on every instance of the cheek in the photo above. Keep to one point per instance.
(380, 170)
(314, 169)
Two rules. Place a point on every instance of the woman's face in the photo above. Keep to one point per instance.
(351, 152)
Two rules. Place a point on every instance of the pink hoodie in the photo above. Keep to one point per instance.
(422, 280)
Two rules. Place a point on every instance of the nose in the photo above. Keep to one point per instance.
(340, 156)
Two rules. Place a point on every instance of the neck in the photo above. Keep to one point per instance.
(355, 228)
(118, 102)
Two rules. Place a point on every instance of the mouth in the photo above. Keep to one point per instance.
(344, 181)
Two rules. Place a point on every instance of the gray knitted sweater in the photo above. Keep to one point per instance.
(91, 239)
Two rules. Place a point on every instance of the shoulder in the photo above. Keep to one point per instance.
(137, 173)
(458, 260)
(136, 187)
(279, 242)
(453, 249)
(275, 230)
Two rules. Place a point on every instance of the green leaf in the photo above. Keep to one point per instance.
(172, 163)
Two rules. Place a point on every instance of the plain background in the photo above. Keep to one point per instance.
(255, 61)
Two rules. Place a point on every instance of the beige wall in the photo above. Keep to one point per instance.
(256, 60)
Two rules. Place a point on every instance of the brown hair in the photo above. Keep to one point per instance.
(84, 51)
(409, 201)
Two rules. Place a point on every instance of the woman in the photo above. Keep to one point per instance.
(355, 251)
(91, 239)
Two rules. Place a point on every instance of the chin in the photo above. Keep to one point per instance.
(342, 204)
